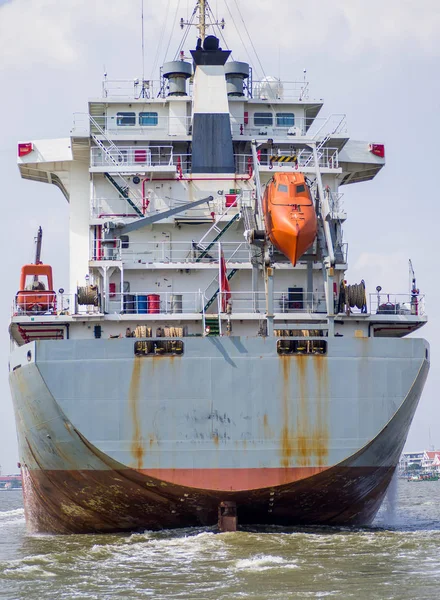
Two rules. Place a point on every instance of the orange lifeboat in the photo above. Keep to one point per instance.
(36, 289)
(36, 285)
(289, 214)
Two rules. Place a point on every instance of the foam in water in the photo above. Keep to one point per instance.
(263, 563)
(11, 516)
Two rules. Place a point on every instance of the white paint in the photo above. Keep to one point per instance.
(178, 120)
(209, 92)
(48, 151)
(79, 224)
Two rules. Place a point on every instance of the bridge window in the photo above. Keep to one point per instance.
(263, 119)
(303, 346)
(285, 119)
(159, 348)
(125, 118)
(148, 119)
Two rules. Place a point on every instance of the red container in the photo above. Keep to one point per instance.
(140, 156)
(153, 303)
(231, 199)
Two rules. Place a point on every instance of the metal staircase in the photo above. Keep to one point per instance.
(203, 247)
(114, 157)
(216, 293)
(124, 192)
(318, 150)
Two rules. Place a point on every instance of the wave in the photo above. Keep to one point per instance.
(264, 563)
(11, 514)
(9, 517)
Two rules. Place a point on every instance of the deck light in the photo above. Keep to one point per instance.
(377, 150)
(24, 149)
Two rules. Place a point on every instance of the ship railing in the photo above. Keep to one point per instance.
(300, 159)
(166, 252)
(59, 303)
(132, 122)
(152, 125)
(102, 208)
(397, 304)
(154, 302)
(272, 89)
(334, 124)
(285, 302)
(277, 124)
(145, 156)
(135, 89)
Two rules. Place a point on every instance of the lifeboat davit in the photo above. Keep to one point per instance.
(289, 214)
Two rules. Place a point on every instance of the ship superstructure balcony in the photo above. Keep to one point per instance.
(164, 159)
(269, 89)
(157, 123)
(395, 316)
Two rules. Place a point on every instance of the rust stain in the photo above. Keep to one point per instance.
(303, 433)
(137, 444)
(215, 438)
(267, 429)
(286, 438)
(321, 431)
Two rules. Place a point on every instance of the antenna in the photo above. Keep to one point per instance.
(143, 50)
(204, 10)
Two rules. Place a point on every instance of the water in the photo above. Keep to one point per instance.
(397, 559)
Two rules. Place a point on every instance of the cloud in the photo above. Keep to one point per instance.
(53, 33)
(389, 270)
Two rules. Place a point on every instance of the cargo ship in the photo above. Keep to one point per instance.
(208, 362)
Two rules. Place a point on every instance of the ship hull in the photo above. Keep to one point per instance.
(112, 442)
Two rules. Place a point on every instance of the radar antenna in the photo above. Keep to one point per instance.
(205, 12)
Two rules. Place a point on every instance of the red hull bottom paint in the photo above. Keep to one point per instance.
(233, 480)
(109, 501)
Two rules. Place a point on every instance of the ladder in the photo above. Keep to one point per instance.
(124, 192)
(318, 148)
(216, 293)
(113, 156)
(205, 248)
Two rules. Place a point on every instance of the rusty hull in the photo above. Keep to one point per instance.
(71, 485)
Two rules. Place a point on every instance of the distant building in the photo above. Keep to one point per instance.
(427, 461)
(8, 482)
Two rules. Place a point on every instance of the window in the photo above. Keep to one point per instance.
(263, 119)
(36, 283)
(125, 118)
(303, 346)
(285, 119)
(148, 118)
(282, 188)
(300, 188)
(159, 348)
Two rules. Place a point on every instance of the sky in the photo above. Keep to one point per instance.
(376, 61)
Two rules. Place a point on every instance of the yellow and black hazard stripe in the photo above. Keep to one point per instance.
(284, 158)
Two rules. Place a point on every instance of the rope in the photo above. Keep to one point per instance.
(353, 296)
(88, 295)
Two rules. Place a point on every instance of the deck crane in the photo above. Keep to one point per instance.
(414, 291)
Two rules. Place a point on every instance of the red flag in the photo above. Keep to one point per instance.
(225, 290)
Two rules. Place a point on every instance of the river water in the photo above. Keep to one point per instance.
(398, 559)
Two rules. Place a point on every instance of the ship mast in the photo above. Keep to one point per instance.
(202, 5)
(206, 19)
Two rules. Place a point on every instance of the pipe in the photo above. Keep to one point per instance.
(116, 215)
